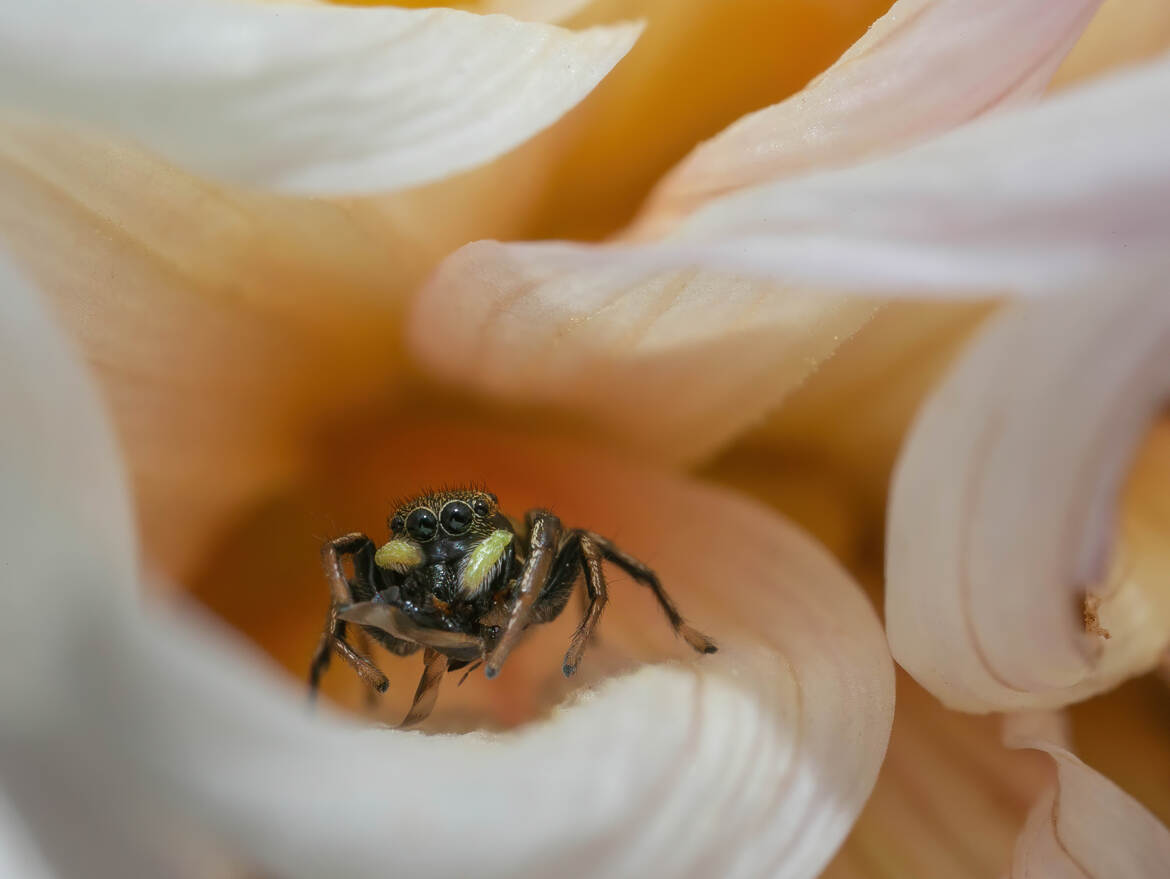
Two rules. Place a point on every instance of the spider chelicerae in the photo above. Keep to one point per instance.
(463, 582)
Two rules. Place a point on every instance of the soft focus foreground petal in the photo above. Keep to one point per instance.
(19, 854)
(1006, 588)
(301, 97)
(770, 746)
(64, 510)
(1086, 827)
(924, 67)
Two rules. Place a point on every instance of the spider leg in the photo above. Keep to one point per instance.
(434, 667)
(544, 537)
(342, 591)
(362, 647)
(647, 577)
(597, 596)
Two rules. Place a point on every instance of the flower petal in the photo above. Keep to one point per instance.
(783, 731)
(950, 799)
(1028, 201)
(1122, 33)
(301, 97)
(698, 67)
(223, 325)
(922, 68)
(64, 513)
(693, 328)
(1086, 827)
(1001, 590)
(552, 11)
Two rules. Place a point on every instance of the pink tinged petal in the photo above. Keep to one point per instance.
(921, 69)
(1086, 827)
(1029, 201)
(308, 98)
(1004, 576)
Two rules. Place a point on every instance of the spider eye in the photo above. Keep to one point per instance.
(422, 524)
(481, 506)
(456, 517)
(396, 524)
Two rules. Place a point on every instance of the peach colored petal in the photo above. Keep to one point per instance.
(921, 69)
(300, 97)
(1006, 586)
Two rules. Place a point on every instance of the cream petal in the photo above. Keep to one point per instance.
(1007, 588)
(922, 68)
(773, 744)
(675, 364)
(301, 97)
(1086, 827)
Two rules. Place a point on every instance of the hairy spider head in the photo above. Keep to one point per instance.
(461, 527)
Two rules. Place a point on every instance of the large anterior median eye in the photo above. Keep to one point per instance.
(456, 517)
(422, 524)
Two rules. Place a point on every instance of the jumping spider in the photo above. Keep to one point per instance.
(464, 582)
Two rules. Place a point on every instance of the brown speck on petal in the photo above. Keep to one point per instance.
(1091, 607)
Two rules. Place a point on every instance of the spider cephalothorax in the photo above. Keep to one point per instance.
(463, 581)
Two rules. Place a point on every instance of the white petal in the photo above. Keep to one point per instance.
(19, 854)
(1026, 201)
(922, 68)
(302, 97)
(770, 747)
(64, 512)
(1088, 828)
(1001, 537)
